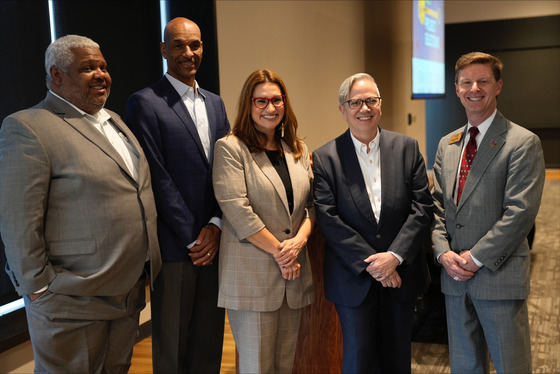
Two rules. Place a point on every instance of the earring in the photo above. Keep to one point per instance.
(282, 131)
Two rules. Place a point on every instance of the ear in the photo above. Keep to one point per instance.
(499, 86)
(163, 50)
(56, 75)
(457, 90)
(341, 108)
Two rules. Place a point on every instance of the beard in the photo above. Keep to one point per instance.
(84, 100)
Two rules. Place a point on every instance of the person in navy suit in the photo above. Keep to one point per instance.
(374, 209)
(177, 124)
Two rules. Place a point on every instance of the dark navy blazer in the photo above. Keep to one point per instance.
(181, 173)
(347, 221)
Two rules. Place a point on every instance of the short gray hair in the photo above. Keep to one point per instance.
(59, 53)
(346, 86)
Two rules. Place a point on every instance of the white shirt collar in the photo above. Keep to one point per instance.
(373, 145)
(183, 88)
(483, 127)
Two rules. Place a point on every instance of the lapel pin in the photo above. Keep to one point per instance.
(493, 143)
(123, 136)
(455, 138)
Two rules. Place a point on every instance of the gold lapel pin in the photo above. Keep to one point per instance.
(455, 138)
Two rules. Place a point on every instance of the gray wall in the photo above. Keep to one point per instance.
(530, 50)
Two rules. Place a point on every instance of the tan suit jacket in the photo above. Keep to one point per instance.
(252, 196)
(73, 217)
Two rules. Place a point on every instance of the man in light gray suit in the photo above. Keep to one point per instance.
(485, 208)
(78, 217)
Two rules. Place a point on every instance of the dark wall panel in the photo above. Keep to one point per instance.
(530, 50)
(24, 38)
(128, 33)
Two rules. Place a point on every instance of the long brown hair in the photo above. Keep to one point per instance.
(245, 129)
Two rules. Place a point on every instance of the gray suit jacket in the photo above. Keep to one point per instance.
(73, 217)
(498, 206)
(252, 196)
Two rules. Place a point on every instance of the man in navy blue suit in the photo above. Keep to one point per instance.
(374, 209)
(177, 124)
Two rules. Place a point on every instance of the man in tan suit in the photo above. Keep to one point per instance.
(79, 219)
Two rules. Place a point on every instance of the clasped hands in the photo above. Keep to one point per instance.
(383, 268)
(206, 246)
(460, 267)
(287, 260)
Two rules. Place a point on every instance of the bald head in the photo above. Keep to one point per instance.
(178, 25)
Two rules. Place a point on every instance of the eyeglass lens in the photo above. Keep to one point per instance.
(262, 102)
(371, 102)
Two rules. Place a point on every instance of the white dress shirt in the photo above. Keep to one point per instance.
(194, 101)
(370, 164)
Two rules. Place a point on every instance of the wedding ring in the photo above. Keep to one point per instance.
(456, 279)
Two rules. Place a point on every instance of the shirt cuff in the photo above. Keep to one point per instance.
(397, 256)
(478, 263)
(42, 289)
(216, 221)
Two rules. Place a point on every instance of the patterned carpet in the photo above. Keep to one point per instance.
(544, 300)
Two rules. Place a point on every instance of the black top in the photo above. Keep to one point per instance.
(279, 163)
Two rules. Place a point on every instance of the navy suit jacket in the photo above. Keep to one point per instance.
(352, 233)
(181, 173)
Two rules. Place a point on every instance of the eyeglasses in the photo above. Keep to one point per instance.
(371, 102)
(262, 102)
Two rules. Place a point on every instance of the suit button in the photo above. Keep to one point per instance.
(378, 236)
(287, 231)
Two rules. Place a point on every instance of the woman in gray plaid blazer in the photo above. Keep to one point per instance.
(263, 182)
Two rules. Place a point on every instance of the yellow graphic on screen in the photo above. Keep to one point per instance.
(423, 10)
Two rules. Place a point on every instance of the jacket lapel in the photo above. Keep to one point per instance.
(84, 127)
(130, 138)
(489, 146)
(388, 177)
(451, 166)
(353, 172)
(295, 178)
(212, 122)
(169, 94)
(263, 162)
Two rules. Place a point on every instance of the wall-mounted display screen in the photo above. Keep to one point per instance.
(428, 57)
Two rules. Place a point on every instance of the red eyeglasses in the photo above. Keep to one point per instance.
(262, 102)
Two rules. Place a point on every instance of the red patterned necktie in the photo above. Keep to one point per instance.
(466, 161)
